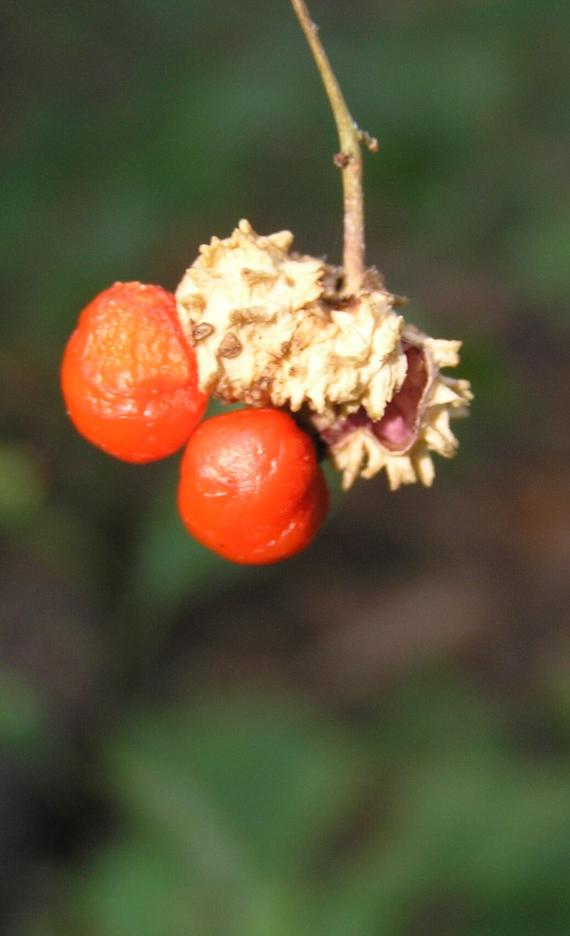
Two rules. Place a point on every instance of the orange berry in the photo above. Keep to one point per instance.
(251, 488)
(129, 378)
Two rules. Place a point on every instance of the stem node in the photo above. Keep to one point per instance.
(341, 160)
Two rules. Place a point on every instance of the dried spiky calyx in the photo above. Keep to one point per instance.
(269, 327)
(415, 423)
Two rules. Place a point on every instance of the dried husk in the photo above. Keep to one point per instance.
(270, 327)
(415, 424)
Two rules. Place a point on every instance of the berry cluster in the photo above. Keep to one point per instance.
(250, 489)
(253, 321)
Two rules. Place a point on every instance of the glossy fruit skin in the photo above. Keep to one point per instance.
(251, 488)
(128, 377)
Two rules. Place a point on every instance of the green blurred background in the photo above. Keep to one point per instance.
(374, 738)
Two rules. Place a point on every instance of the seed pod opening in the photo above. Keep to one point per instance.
(416, 420)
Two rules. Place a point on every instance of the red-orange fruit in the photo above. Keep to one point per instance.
(251, 488)
(129, 378)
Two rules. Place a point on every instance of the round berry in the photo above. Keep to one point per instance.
(128, 377)
(251, 488)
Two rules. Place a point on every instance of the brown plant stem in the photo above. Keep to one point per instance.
(349, 160)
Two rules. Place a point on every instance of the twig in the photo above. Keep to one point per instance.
(349, 160)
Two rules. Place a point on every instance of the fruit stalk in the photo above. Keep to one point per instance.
(349, 159)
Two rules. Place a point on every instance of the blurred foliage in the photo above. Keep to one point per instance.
(22, 718)
(194, 748)
(261, 816)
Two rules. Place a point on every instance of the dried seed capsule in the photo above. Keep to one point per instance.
(416, 421)
(278, 325)
(272, 327)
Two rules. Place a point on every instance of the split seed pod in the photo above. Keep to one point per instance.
(271, 327)
(415, 422)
